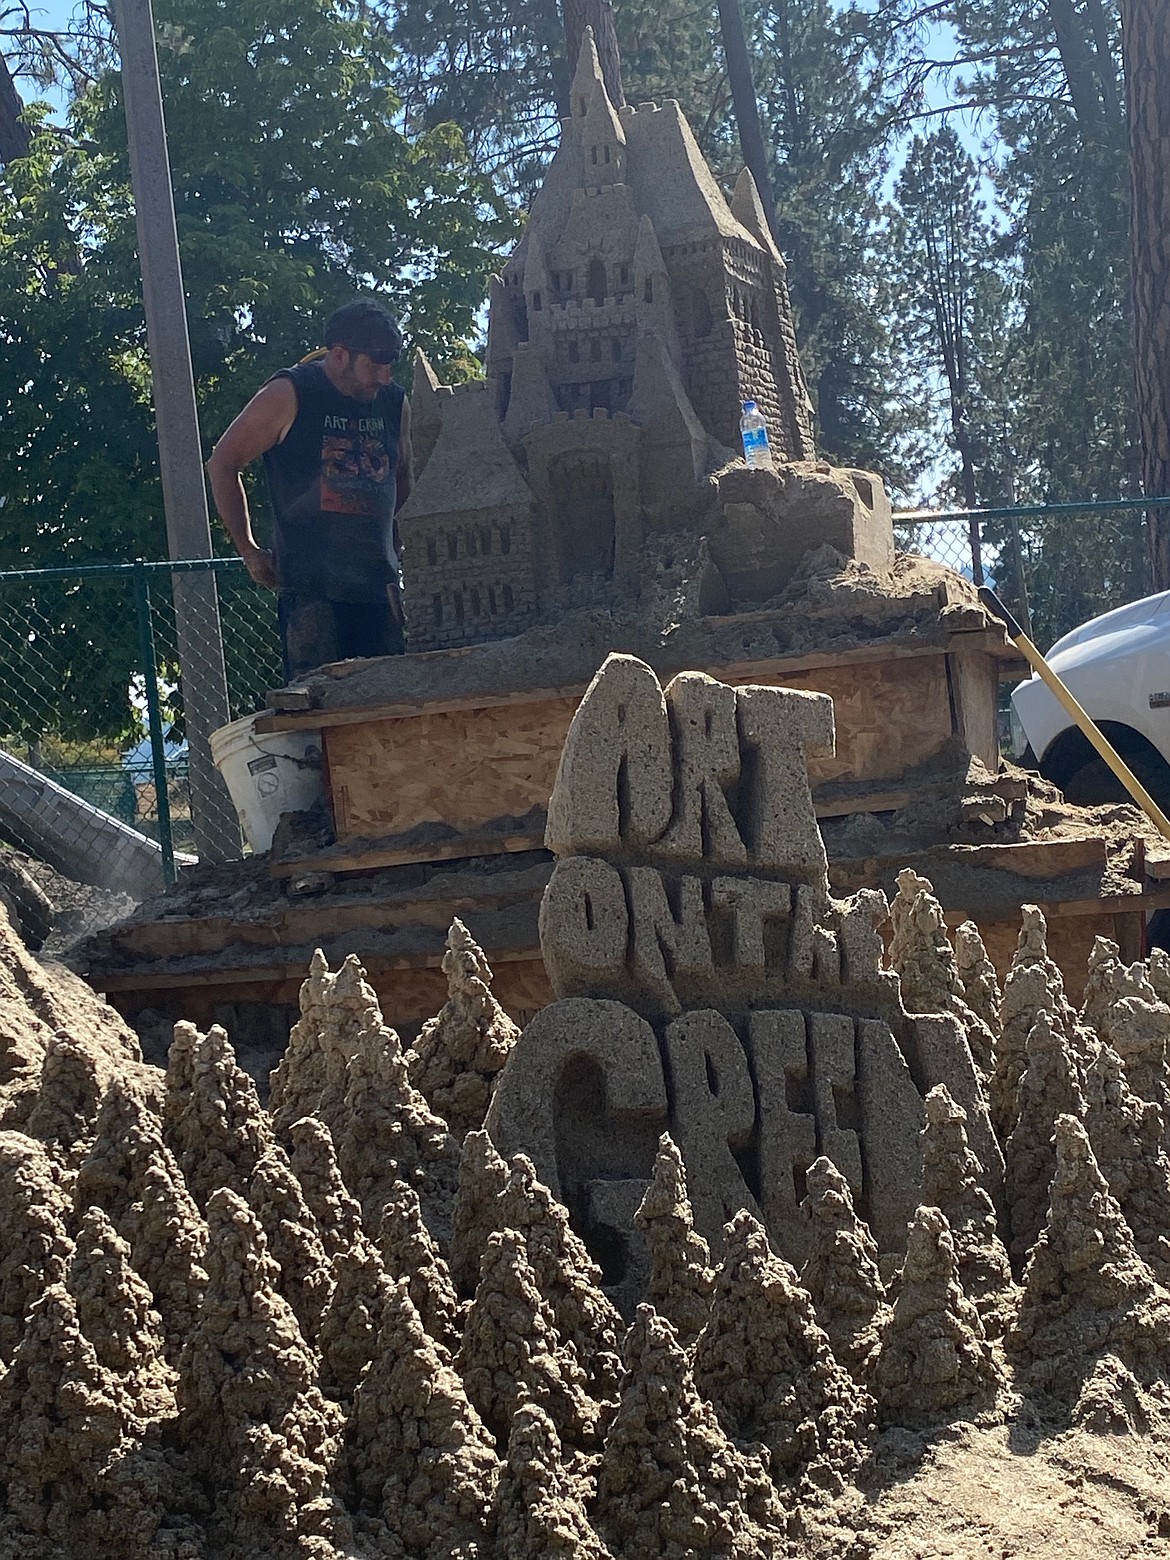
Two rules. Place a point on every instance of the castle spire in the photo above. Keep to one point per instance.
(748, 210)
(587, 76)
(653, 308)
(502, 334)
(531, 403)
(603, 141)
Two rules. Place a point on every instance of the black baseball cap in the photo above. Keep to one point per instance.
(364, 326)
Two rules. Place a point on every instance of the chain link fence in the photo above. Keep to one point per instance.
(95, 771)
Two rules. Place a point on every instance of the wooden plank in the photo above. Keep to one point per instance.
(1157, 863)
(370, 857)
(773, 671)
(178, 976)
(1039, 858)
(310, 920)
(1072, 909)
(409, 709)
(975, 681)
(889, 717)
(466, 769)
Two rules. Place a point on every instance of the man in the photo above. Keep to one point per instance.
(335, 436)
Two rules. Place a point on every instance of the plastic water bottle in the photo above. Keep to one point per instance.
(754, 432)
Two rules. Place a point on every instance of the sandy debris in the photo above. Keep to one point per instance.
(568, 1278)
(422, 1467)
(1033, 985)
(682, 1281)
(512, 1352)
(390, 1131)
(482, 1178)
(1087, 1293)
(411, 1254)
(934, 1355)
(217, 1342)
(1049, 1087)
(541, 1505)
(670, 1482)
(981, 990)
(294, 1241)
(841, 1270)
(457, 1055)
(951, 1183)
(349, 1329)
(768, 1368)
(928, 968)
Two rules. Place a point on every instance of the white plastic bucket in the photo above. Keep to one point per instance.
(268, 775)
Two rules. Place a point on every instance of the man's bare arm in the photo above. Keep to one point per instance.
(263, 423)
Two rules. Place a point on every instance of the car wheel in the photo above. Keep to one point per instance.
(1095, 784)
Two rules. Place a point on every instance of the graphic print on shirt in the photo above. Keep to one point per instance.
(356, 471)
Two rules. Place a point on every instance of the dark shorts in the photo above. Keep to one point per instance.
(314, 631)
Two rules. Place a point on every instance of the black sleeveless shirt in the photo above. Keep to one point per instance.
(333, 481)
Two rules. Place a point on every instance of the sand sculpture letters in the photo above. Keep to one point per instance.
(708, 982)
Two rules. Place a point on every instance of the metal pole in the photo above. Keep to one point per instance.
(200, 642)
(158, 752)
(1025, 610)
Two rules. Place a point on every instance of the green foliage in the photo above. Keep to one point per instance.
(1053, 405)
(295, 187)
(955, 305)
(831, 102)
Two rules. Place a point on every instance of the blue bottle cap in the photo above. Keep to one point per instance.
(749, 406)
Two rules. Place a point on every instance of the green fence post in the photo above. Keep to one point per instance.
(158, 752)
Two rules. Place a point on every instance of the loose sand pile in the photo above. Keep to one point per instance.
(331, 1328)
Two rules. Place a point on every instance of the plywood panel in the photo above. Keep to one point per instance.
(466, 768)
(889, 715)
(463, 769)
(1070, 941)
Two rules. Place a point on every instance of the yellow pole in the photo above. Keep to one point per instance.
(1090, 728)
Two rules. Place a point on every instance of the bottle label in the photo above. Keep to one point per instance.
(754, 440)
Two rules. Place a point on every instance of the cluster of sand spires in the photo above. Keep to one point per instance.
(344, 1326)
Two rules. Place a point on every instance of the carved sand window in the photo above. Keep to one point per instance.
(596, 283)
(701, 313)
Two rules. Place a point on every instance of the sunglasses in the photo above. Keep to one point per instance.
(382, 359)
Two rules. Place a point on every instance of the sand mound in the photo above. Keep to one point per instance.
(323, 1330)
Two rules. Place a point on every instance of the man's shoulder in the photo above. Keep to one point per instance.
(392, 397)
(306, 375)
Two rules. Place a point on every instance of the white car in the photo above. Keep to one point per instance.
(1118, 667)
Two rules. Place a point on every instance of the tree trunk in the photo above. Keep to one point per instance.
(1146, 46)
(14, 136)
(597, 14)
(1077, 59)
(747, 108)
